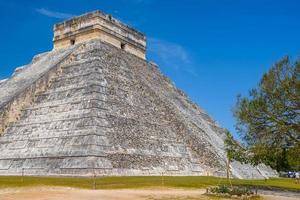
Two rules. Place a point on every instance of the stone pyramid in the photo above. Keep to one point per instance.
(95, 105)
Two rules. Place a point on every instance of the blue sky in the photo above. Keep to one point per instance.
(213, 50)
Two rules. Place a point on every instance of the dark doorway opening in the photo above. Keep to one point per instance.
(123, 45)
(72, 42)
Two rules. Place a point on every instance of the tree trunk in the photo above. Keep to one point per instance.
(228, 169)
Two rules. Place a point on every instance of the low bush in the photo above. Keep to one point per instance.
(239, 191)
(229, 191)
(222, 189)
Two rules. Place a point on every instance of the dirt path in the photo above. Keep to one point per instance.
(272, 197)
(282, 195)
(79, 194)
(59, 193)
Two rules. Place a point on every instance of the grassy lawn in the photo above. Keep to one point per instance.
(141, 182)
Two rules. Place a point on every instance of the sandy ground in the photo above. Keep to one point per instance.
(58, 193)
(271, 197)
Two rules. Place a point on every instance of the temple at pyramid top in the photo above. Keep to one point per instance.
(97, 25)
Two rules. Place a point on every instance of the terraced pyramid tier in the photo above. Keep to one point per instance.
(96, 109)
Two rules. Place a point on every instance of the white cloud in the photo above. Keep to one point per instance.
(54, 14)
(171, 55)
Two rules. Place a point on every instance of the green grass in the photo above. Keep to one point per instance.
(142, 182)
(202, 197)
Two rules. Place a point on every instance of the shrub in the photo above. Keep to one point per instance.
(221, 189)
(239, 191)
(232, 191)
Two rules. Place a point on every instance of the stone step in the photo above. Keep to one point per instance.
(69, 124)
(79, 68)
(69, 80)
(41, 142)
(63, 115)
(61, 109)
(54, 113)
(125, 77)
(83, 85)
(78, 92)
(95, 65)
(64, 85)
(34, 135)
(55, 133)
(66, 151)
(88, 120)
(30, 165)
(71, 140)
(86, 82)
(92, 99)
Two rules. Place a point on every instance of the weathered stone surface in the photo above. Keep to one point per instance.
(97, 25)
(111, 113)
(95, 108)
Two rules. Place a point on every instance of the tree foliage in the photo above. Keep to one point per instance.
(234, 150)
(268, 119)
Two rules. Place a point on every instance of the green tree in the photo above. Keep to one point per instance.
(293, 156)
(234, 151)
(269, 118)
